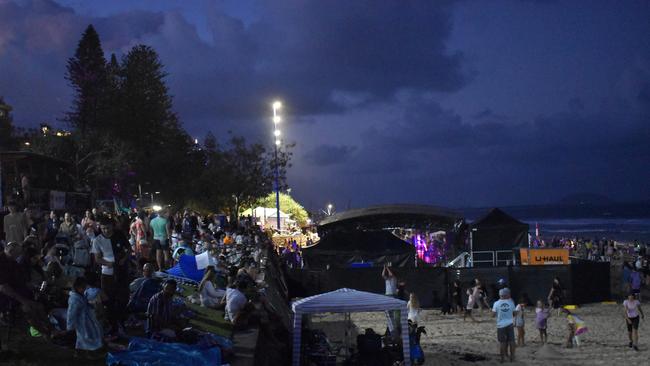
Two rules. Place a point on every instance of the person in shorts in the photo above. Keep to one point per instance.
(504, 310)
(161, 239)
(632, 312)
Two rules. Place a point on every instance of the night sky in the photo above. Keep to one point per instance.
(468, 103)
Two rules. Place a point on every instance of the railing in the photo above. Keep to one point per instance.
(493, 257)
(463, 260)
(488, 253)
(507, 259)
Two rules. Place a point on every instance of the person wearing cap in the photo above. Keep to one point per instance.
(504, 310)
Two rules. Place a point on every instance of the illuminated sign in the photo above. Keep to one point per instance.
(540, 257)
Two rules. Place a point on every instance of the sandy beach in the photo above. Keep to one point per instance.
(450, 340)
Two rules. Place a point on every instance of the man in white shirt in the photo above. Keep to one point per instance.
(111, 250)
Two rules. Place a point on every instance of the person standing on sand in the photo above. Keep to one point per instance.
(391, 281)
(541, 316)
(635, 283)
(632, 311)
(472, 298)
(504, 310)
(456, 297)
(520, 322)
(556, 295)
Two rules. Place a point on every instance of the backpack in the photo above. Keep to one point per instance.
(81, 256)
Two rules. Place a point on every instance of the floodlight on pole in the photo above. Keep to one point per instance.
(276, 132)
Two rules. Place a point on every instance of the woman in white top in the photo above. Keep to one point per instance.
(632, 312)
(414, 308)
(209, 295)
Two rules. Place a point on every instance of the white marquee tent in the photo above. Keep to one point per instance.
(346, 300)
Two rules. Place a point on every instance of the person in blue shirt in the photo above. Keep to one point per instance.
(504, 310)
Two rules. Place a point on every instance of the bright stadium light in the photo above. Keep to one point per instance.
(277, 104)
(276, 119)
(278, 142)
(276, 133)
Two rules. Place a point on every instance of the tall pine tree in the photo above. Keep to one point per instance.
(86, 72)
(7, 141)
(160, 144)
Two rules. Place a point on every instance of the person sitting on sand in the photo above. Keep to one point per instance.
(632, 311)
(504, 310)
(542, 313)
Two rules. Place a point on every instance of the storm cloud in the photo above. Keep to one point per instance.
(443, 102)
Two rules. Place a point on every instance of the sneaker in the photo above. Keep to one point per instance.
(636, 348)
(630, 345)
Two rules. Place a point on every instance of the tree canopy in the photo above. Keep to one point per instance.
(287, 205)
(126, 136)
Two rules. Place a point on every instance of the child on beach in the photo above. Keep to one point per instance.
(542, 313)
(413, 306)
(519, 321)
(471, 299)
(576, 327)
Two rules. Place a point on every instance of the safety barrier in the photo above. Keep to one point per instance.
(583, 282)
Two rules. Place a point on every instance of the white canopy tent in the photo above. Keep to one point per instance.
(346, 300)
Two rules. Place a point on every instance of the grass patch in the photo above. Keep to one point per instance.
(207, 320)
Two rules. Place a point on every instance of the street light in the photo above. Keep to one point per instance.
(329, 210)
(276, 119)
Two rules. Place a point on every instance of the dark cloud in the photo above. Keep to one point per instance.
(438, 154)
(322, 56)
(488, 115)
(576, 105)
(325, 155)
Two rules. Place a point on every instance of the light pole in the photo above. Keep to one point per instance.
(329, 210)
(276, 132)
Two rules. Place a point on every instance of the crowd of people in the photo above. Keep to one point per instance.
(511, 315)
(97, 277)
(599, 250)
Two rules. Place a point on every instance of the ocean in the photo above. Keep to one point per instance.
(620, 221)
(619, 229)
